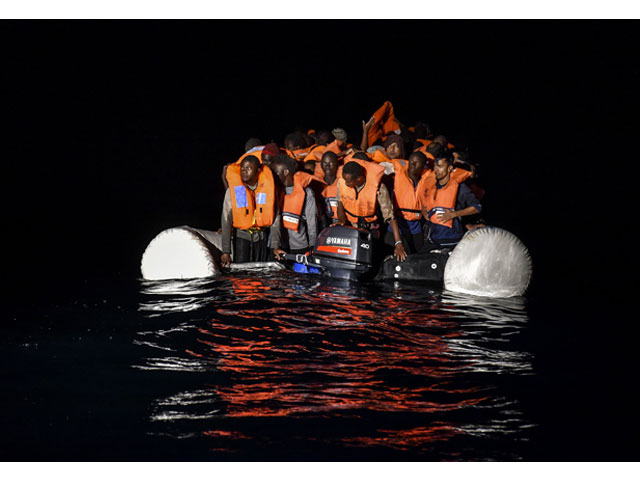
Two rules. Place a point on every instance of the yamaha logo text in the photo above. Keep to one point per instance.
(338, 241)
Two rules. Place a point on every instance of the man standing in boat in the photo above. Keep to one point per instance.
(299, 210)
(447, 201)
(362, 200)
(250, 211)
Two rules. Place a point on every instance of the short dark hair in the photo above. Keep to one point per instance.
(446, 157)
(329, 154)
(420, 155)
(251, 159)
(435, 148)
(297, 139)
(361, 156)
(353, 169)
(288, 162)
(252, 142)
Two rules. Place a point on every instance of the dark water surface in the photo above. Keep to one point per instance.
(269, 365)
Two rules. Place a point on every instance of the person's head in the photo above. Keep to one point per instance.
(442, 140)
(252, 142)
(422, 130)
(269, 151)
(435, 149)
(295, 141)
(309, 166)
(354, 175)
(417, 164)
(249, 170)
(442, 167)
(284, 167)
(329, 164)
(394, 146)
(340, 134)
(361, 156)
(324, 137)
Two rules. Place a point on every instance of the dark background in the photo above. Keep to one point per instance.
(116, 130)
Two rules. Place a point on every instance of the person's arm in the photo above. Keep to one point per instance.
(275, 231)
(224, 176)
(364, 144)
(226, 224)
(342, 217)
(311, 215)
(386, 208)
(466, 204)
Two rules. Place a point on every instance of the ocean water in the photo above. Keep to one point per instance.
(272, 365)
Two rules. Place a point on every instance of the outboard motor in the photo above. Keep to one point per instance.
(340, 252)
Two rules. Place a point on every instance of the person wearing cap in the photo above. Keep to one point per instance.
(341, 134)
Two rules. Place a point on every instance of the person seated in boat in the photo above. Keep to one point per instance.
(341, 134)
(296, 145)
(299, 210)
(331, 170)
(409, 184)
(364, 202)
(250, 214)
(446, 202)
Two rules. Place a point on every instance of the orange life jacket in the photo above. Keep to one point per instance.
(300, 153)
(379, 156)
(441, 199)
(362, 204)
(294, 201)
(407, 198)
(252, 208)
(317, 151)
(385, 122)
(329, 193)
(256, 153)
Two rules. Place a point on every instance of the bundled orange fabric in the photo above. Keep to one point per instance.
(362, 204)
(385, 122)
(251, 208)
(293, 202)
(379, 156)
(317, 151)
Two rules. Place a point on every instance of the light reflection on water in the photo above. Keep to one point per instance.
(382, 367)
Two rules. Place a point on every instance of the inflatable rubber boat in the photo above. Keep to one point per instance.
(488, 261)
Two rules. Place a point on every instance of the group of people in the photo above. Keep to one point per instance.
(413, 190)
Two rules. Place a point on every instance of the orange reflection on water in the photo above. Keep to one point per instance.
(363, 352)
(405, 439)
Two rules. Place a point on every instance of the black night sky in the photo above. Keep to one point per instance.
(115, 130)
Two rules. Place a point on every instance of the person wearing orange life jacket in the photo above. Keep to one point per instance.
(446, 202)
(250, 213)
(264, 153)
(299, 211)
(364, 202)
(331, 171)
(409, 184)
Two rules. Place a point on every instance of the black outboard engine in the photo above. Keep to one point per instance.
(343, 252)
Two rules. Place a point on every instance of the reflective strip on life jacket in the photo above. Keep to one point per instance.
(255, 151)
(294, 201)
(251, 208)
(330, 194)
(362, 205)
